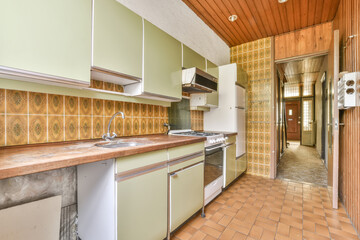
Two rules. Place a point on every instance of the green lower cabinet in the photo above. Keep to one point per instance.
(230, 164)
(241, 165)
(142, 206)
(162, 63)
(186, 194)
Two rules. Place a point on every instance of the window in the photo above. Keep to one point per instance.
(292, 90)
(308, 89)
(307, 115)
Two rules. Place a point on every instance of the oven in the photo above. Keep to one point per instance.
(214, 171)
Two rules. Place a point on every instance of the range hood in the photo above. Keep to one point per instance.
(195, 80)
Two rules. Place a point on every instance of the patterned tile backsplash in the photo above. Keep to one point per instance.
(31, 117)
(255, 58)
(197, 120)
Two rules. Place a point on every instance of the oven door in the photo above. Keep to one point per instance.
(214, 162)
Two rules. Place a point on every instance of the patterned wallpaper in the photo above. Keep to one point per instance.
(255, 58)
(197, 120)
(30, 117)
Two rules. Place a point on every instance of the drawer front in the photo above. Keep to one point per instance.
(140, 160)
(186, 194)
(181, 151)
(184, 162)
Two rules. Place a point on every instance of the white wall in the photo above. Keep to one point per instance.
(178, 20)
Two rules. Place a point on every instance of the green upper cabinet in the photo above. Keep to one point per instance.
(193, 59)
(47, 37)
(162, 63)
(117, 38)
(212, 69)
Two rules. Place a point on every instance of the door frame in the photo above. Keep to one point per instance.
(274, 89)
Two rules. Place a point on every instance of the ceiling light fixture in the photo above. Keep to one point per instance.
(282, 1)
(232, 18)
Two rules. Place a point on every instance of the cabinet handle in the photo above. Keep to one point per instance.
(173, 174)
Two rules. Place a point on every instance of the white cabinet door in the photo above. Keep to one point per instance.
(240, 97)
(241, 138)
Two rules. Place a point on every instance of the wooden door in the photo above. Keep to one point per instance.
(293, 120)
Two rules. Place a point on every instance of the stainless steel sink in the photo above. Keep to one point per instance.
(119, 144)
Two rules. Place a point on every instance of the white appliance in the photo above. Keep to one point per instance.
(230, 115)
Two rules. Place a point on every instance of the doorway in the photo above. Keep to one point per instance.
(303, 119)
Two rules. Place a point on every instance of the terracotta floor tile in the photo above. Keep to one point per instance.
(198, 236)
(260, 208)
(227, 234)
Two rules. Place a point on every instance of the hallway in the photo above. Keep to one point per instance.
(260, 208)
(302, 164)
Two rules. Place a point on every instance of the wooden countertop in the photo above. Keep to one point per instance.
(27, 159)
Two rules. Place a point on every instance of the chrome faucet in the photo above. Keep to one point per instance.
(168, 127)
(107, 136)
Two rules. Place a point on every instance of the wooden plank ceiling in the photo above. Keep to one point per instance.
(305, 71)
(261, 18)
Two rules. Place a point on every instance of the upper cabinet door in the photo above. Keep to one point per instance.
(162, 63)
(193, 59)
(47, 37)
(213, 69)
(117, 38)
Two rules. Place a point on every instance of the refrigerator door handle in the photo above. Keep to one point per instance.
(240, 108)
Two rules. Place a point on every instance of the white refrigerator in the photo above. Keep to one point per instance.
(230, 114)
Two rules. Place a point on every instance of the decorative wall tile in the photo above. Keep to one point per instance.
(98, 127)
(2, 101)
(109, 108)
(255, 59)
(128, 127)
(85, 127)
(56, 128)
(156, 111)
(150, 110)
(119, 126)
(37, 103)
(98, 106)
(197, 120)
(143, 126)
(143, 110)
(37, 118)
(56, 104)
(16, 129)
(85, 106)
(119, 107)
(156, 126)
(136, 126)
(96, 84)
(128, 109)
(37, 129)
(16, 102)
(136, 110)
(2, 130)
(71, 128)
(71, 105)
(118, 88)
(150, 124)
(109, 86)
